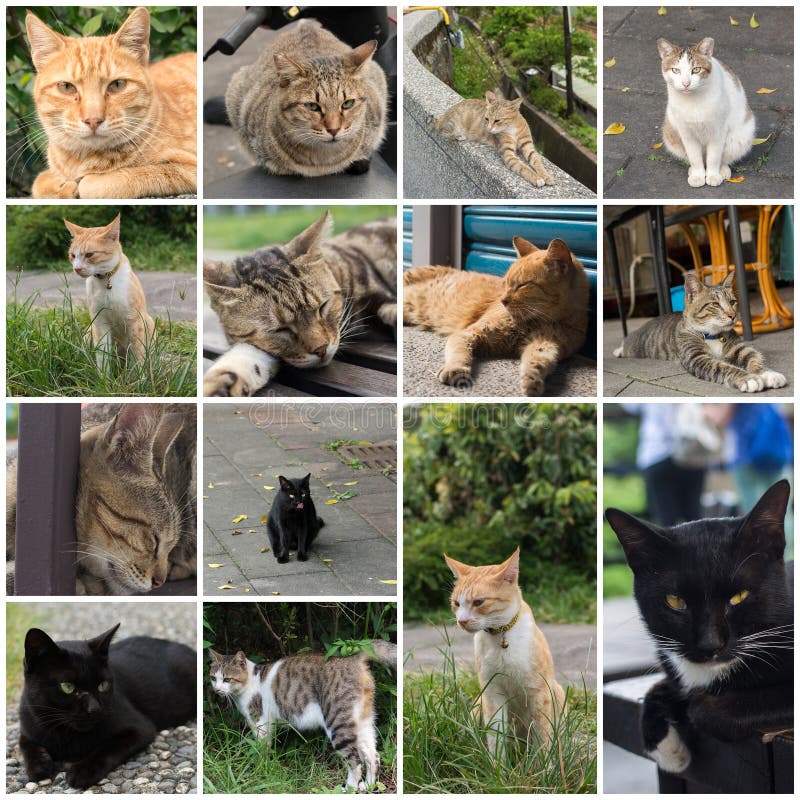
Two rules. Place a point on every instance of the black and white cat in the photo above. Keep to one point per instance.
(716, 596)
(293, 522)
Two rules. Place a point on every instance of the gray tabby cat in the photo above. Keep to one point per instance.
(136, 506)
(307, 691)
(299, 301)
(702, 339)
(310, 105)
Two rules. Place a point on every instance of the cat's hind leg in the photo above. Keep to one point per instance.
(539, 358)
(738, 143)
(368, 750)
(663, 712)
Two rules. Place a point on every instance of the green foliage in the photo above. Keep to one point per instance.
(626, 492)
(484, 478)
(474, 69)
(620, 440)
(173, 31)
(12, 420)
(19, 618)
(162, 237)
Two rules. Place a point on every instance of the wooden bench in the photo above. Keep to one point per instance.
(759, 765)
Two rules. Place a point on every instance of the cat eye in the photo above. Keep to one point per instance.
(312, 106)
(456, 604)
(348, 103)
(284, 329)
(103, 686)
(695, 70)
(226, 680)
(66, 687)
(477, 603)
(676, 603)
(67, 88)
(676, 70)
(117, 85)
(292, 496)
(739, 597)
(88, 255)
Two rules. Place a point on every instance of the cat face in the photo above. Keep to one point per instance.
(708, 590)
(128, 522)
(484, 597)
(229, 674)
(69, 683)
(94, 251)
(92, 93)
(500, 115)
(323, 98)
(686, 69)
(296, 490)
(710, 309)
(283, 300)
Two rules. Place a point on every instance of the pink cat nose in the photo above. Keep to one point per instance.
(321, 351)
(462, 623)
(686, 84)
(157, 582)
(333, 131)
(94, 123)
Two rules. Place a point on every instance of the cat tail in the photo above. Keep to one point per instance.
(384, 652)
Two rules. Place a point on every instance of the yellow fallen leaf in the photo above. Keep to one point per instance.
(226, 586)
(327, 560)
(264, 518)
(733, 21)
(389, 582)
(614, 128)
(210, 485)
(252, 530)
(274, 592)
(350, 483)
(264, 550)
(662, 12)
(237, 533)
(761, 141)
(753, 23)
(205, 497)
(328, 485)
(258, 474)
(237, 520)
(762, 90)
(736, 180)
(215, 566)
(246, 591)
(269, 488)
(626, 89)
(332, 502)
(610, 63)
(657, 146)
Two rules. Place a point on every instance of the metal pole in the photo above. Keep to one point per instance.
(568, 60)
(741, 275)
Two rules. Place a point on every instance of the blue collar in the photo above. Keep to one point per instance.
(711, 337)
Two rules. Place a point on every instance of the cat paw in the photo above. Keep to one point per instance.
(455, 376)
(532, 387)
(772, 379)
(697, 178)
(548, 179)
(725, 171)
(750, 384)
(713, 179)
(618, 352)
(224, 384)
(68, 190)
(539, 183)
(358, 167)
(84, 774)
(302, 556)
(282, 559)
(671, 753)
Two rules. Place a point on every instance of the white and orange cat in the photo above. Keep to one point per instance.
(519, 692)
(120, 321)
(116, 127)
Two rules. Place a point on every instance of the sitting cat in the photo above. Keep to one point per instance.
(116, 127)
(116, 299)
(91, 705)
(309, 691)
(497, 122)
(519, 692)
(299, 301)
(716, 596)
(310, 105)
(708, 121)
(293, 523)
(702, 339)
(539, 311)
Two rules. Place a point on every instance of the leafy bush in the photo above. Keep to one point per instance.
(474, 71)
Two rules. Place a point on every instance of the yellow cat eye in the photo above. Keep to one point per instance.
(676, 70)
(117, 85)
(348, 103)
(66, 687)
(67, 88)
(676, 603)
(739, 597)
(103, 686)
(312, 106)
(695, 70)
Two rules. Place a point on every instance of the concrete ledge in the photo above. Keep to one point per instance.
(438, 168)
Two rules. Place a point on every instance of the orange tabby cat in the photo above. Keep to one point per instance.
(539, 311)
(519, 691)
(115, 126)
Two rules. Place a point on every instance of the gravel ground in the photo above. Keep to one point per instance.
(169, 765)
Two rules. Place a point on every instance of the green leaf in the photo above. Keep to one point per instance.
(92, 25)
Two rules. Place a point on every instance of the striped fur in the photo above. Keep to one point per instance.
(300, 301)
(711, 311)
(497, 122)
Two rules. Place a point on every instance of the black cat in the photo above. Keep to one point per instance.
(91, 707)
(716, 595)
(293, 522)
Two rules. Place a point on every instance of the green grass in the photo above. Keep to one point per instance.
(19, 617)
(625, 492)
(49, 354)
(228, 231)
(444, 742)
(474, 69)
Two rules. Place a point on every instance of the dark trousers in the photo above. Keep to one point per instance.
(673, 492)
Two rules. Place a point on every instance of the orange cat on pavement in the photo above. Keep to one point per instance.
(519, 691)
(115, 126)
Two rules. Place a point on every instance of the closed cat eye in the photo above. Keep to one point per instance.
(281, 330)
(66, 687)
(348, 103)
(67, 88)
(739, 597)
(117, 85)
(312, 106)
(676, 603)
(103, 686)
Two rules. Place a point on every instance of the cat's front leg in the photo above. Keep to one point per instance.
(507, 147)
(49, 185)
(302, 542)
(714, 175)
(38, 763)
(751, 361)
(530, 154)
(240, 372)
(694, 155)
(539, 358)
(110, 754)
(663, 716)
(494, 719)
(696, 361)
(457, 369)
(387, 314)
(263, 728)
(160, 180)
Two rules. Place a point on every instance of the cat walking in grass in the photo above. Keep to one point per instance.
(702, 339)
(497, 122)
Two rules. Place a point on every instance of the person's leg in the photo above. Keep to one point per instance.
(658, 484)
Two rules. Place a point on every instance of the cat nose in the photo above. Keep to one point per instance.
(333, 131)
(505, 301)
(157, 582)
(321, 351)
(686, 84)
(94, 123)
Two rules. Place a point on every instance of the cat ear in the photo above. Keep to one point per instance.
(45, 42)
(523, 246)
(130, 435)
(134, 35)
(509, 570)
(215, 656)
(288, 69)
(239, 657)
(100, 644)
(762, 529)
(490, 97)
(558, 252)
(730, 281)
(73, 228)
(37, 644)
(310, 238)
(641, 541)
(219, 277)
(306, 479)
(692, 287)
(515, 104)
(169, 428)
(665, 48)
(286, 484)
(456, 567)
(111, 230)
(360, 55)
(705, 47)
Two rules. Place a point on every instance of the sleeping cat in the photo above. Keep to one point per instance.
(90, 705)
(708, 121)
(310, 105)
(116, 299)
(298, 302)
(136, 506)
(116, 127)
(293, 523)
(702, 339)
(716, 596)
(309, 691)
(497, 122)
(539, 311)
(519, 692)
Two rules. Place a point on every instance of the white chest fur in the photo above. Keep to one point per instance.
(715, 346)
(508, 669)
(115, 302)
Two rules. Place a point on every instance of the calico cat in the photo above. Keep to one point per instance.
(702, 339)
(116, 298)
(708, 121)
(293, 523)
(519, 692)
(136, 506)
(310, 105)
(539, 312)
(497, 122)
(309, 691)
(91, 705)
(716, 596)
(300, 301)
(116, 127)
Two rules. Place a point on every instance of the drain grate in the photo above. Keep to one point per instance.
(374, 456)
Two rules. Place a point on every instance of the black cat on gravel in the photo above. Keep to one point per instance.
(293, 523)
(89, 706)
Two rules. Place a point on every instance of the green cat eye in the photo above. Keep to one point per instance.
(117, 85)
(739, 597)
(312, 106)
(676, 603)
(66, 687)
(348, 103)
(67, 88)
(695, 70)
(103, 686)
